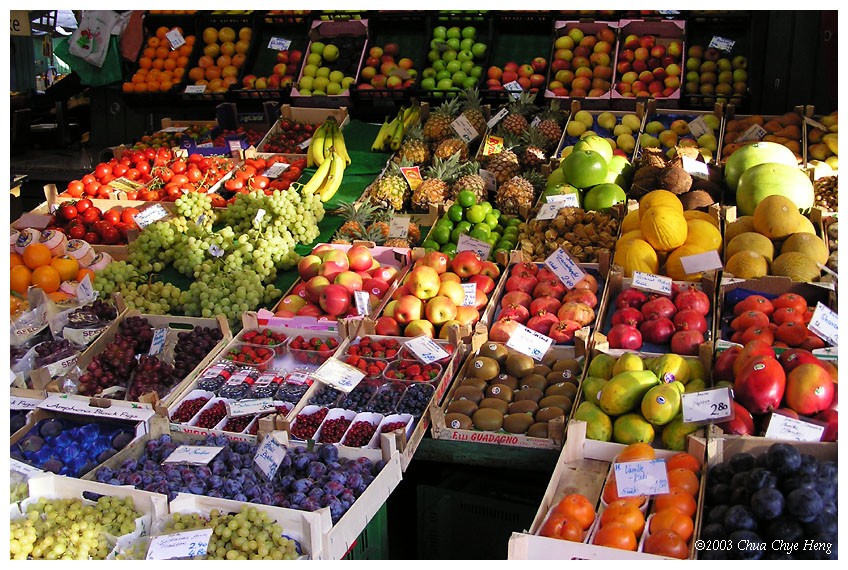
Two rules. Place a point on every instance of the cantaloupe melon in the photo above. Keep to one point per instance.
(777, 217)
(747, 265)
(674, 267)
(659, 198)
(806, 226)
(634, 254)
(751, 241)
(664, 227)
(796, 266)
(699, 215)
(808, 244)
(630, 221)
(703, 234)
(739, 226)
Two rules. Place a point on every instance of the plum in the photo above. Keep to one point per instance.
(783, 459)
(828, 469)
(50, 428)
(713, 531)
(53, 465)
(240, 497)
(825, 523)
(121, 439)
(316, 469)
(315, 493)
(804, 504)
(716, 513)
(767, 503)
(718, 494)
(302, 485)
(328, 453)
(759, 478)
(197, 487)
(741, 462)
(739, 517)
(31, 444)
(740, 496)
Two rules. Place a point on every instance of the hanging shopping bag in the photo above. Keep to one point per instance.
(90, 41)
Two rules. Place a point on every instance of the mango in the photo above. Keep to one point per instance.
(696, 385)
(601, 366)
(598, 424)
(696, 370)
(624, 392)
(832, 142)
(671, 367)
(661, 404)
(592, 387)
(674, 433)
(626, 362)
(632, 428)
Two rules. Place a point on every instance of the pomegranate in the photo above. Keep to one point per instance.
(625, 336)
(515, 312)
(549, 289)
(630, 298)
(502, 330)
(742, 422)
(693, 299)
(687, 342)
(657, 308)
(547, 304)
(525, 283)
(542, 322)
(583, 314)
(588, 283)
(657, 331)
(628, 316)
(581, 296)
(809, 389)
(563, 331)
(516, 297)
(760, 384)
(753, 303)
(690, 319)
(524, 269)
(545, 274)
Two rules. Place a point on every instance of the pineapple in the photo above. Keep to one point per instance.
(378, 232)
(549, 125)
(382, 221)
(533, 143)
(470, 180)
(438, 126)
(355, 221)
(449, 147)
(504, 165)
(516, 121)
(391, 190)
(472, 110)
(414, 149)
(437, 179)
(518, 193)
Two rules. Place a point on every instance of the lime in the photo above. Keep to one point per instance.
(513, 222)
(479, 234)
(584, 168)
(455, 212)
(490, 221)
(507, 245)
(491, 241)
(455, 233)
(496, 235)
(483, 228)
(430, 245)
(444, 221)
(475, 214)
(487, 206)
(441, 234)
(466, 198)
(604, 196)
(449, 249)
(496, 213)
(464, 226)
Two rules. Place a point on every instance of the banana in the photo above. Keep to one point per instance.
(316, 148)
(340, 146)
(328, 141)
(318, 178)
(412, 119)
(377, 146)
(397, 138)
(334, 180)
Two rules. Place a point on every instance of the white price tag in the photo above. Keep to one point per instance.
(61, 368)
(205, 145)
(636, 478)
(399, 227)
(186, 544)
(24, 468)
(814, 123)
(279, 44)
(193, 454)
(464, 129)
(527, 341)
(722, 44)
(514, 88)
(82, 337)
(707, 405)
(497, 118)
(175, 38)
(536, 120)
(650, 282)
(570, 200)
(786, 428)
(200, 219)
(752, 133)
(250, 407)
(260, 215)
(668, 12)
(150, 215)
(85, 292)
(549, 210)
(490, 179)
(825, 324)
(467, 243)
(158, 343)
(699, 127)
(196, 90)
(426, 349)
(269, 456)
(215, 251)
(276, 169)
(234, 144)
(305, 144)
(339, 375)
(696, 168)
(566, 269)
(701, 262)
(470, 298)
(363, 302)
(173, 129)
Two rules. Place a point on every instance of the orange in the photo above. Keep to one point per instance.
(14, 305)
(195, 73)
(189, 42)
(676, 498)
(636, 452)
(165, 86)
(684, 479)
(20, 278)
(182, 61)
(83, 272)
(67, 266)
(153, 42)
(205, 62)
(685, 461)
(162, 52)
(223, 61)
(161, 31)
(616, 535)
(673, 520)
(610, 494)
(174, 54)
(667, 543)
(46, 278)
(158, 63)
(626, 513)
(170, 64)
(127, 87)
(140, 87)
(149, 52)
(212, 73)
(15, 259)
(36, 255)
(145, 63)
(578, 507)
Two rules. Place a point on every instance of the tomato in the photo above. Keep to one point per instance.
(132, 195)
(195, 158)
(149, 153)
(77, 231)
(260, 182)
(104, 192)
(205, 163)
(75, 188)
(179, 167)
(293, 172)
(251, 170)
(111, 235)
(127, 216)
(179, 179)
(160, 160)
(91, 189)
(83, 205)
(173, 192)
(234, 184)
(132, 174)
(68, 212)
(143, 168)
(112, 216)
(194, 175)
(102, 170)
(120, 169)
(165, 174)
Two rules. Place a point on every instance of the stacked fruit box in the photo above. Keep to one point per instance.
(161, 34)
(300, 115)
(743, 130)
(666, 130)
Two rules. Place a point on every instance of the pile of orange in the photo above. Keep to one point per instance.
(569, 519)
(224, 54)
(39, 268)
(160, 67)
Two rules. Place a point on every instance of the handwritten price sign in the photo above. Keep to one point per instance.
(636, 478)
(707, 406)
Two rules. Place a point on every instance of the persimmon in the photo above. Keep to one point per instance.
(636, 452)
(626, 513)
(67, 266)
(684, 479)
(46, 278)
(577, 507)
(610, 494)
(562, 527)
(676, 498)
(667, 543)
(683, 460)
(673, 520)
(616, 535)
(15, 259)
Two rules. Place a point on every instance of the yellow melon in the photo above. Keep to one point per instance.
(674, 267)
(806, 226)
(637, 233)
(739, 226)
(699, 215)
(810, 245)
(659, 198)
(796, 266)
(703, 234)
(777, 217)
(664, 227)
(752, 241)
(747, 264)
(635, 254)
(630, 221)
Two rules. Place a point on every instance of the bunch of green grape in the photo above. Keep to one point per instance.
(115, 275)
(182, 522)
(153, 249)
(156, 298)
(196, 206)
(68, 529)
(229, 294)
(249, 534)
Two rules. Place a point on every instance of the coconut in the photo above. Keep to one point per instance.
(674, 179)
(696, 199)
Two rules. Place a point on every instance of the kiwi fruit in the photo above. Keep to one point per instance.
(533, 381)
(519, 365)
(539, 429)
(464, 407)
(541, 369)
(562, 389)
(523, 407)
(458, 421)
(517, 423)
(484, 368)
(567, 364)
(561, 402)
(494, 350)
(562, 376)
(533, 394)
(506, 380)
(499, 391)
(549, 413)
(494, 403)
(473, 382)
(487, 419)
(468, 393)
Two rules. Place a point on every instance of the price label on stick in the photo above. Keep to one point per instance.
(514, 88)
(158, 343)
(188, 544)
(412, 175)
(464, 129)
(260, 215)
(707, 406)
(468, 243)
(493, 145)
(701, 262)
(570, 200)
(549, 210)
(497, 118)
(276, 169)
(696, 168)
(722, 44)
(470, 298)
(175, 38)
(215, 251)
(269, 456)
(527, 341)
(636, 478)
(250, 407)
(825, 324)
(426, 349)
(699, 127)
(85, 292)
(650, 282)
(279, 44)
(814, 123)
(195, 90)
(339, 375)
(565, 268)
(790, 429)
(399, 227)
(150, 215)
(363, 302)
(305, 144)
(193, 454)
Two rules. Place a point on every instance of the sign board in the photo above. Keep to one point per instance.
(19, 23)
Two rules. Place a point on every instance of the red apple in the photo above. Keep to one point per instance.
(539, 64)
(440, 309)
(335, 299)
(407, 309)
(466, 263)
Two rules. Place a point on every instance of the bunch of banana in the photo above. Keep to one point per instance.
(392, 132)
(325, 138)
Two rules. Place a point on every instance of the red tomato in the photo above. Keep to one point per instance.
(132, 174)
(83, 205)
(112, 216)
(179, 167)
(127, 216)
(91, 189)
(104, 192)
(120, 169)
(75, 188)
(194, 175)
(102, 170)
(260, 182)
(88, 179)
(143, 167)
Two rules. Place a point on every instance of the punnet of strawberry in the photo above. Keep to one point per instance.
(372, 368)
(252, 355)
(267, 338)
(314, 350)
(413, 371)
(375, 348)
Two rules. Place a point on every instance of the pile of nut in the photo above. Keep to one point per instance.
(582, 234)
(833, 243)
(827, 190)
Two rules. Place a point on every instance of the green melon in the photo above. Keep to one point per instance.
(769, 179)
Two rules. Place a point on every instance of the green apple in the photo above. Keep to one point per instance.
(440, 65)
(305, 92)
(310, 70)
(436, 43)
(313, 59)
(323, 72)
(467, 43)
(465, 55)
(316, 47)
(320, 83)
(334, 88)
(440, 32)
(479, 50)
(331, 53)
(429, 72)
(434, 55)
(453, 43)
(470, 83)
(466, 67)
(347, 82)
(306, 82)
(453, 66)
(454, 32)
(476, 72)
(336, 77)
(445, 84)
(469, 32)
(443, 74)
(428, 83)
(449, 55)
(458, 78)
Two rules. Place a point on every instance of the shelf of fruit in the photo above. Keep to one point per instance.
(163, 60)
(218, 61)
(583, 58)
(459, 52)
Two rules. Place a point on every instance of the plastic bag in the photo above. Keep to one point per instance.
(89, 74)
(90, 41)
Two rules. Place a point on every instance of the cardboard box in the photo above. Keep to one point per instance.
(25, 399)
(667, 116)
(577, 106)
(582, 468)
(313, 116)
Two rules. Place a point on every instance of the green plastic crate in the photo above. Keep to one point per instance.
(373, 543)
